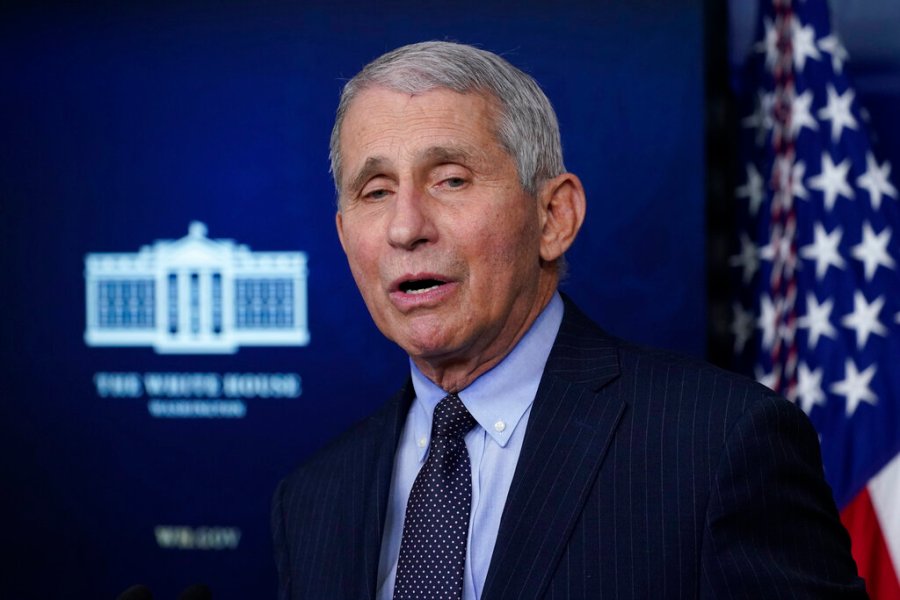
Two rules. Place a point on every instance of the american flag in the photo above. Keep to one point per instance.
(817, 262)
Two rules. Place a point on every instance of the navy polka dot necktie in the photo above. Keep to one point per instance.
(433, 545)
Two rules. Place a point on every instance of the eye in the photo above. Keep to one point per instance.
(450, 177)
(376, 191)
(452, 182)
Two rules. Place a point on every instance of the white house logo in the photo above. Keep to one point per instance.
(196, 295)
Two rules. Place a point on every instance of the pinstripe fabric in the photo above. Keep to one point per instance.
(327, 516)
(642, 475)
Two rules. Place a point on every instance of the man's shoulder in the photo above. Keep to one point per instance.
(676, 403)
(660, 370)
(672, 362)
(702, 388)
(356, 447)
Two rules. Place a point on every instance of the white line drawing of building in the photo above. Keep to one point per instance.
(196, 295)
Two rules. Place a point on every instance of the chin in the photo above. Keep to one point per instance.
(422, 335)
(424, 349)
(427, 347)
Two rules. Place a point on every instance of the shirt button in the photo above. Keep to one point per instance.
(499, 426)
(421, 442)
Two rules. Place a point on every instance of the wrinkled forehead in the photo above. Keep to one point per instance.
(380, 115)
(358, 104)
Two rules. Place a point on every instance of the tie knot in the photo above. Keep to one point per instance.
(451, 418)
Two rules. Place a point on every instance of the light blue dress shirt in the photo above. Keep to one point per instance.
(500, 400)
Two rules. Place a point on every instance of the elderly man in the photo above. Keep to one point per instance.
(530, 454)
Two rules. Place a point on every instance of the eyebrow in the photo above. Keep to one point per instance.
(373, 165)
(443, 154)
(431, 155)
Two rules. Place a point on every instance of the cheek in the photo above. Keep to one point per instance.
(361, 266)
(502, 263)
(513, 242)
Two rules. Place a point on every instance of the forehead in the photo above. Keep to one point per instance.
(394, 124)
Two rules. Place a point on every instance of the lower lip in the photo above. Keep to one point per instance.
(427, 299)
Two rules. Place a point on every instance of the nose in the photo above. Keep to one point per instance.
(410, 223)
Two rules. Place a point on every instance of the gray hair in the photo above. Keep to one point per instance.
(526, 123)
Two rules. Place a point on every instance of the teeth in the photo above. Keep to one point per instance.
(423, 290)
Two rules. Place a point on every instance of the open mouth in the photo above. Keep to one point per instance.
(420, 286)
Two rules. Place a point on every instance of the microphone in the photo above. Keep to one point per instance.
(198, 591)
(136, 592)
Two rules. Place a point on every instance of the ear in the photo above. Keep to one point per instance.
(562, 205)
(339, 222)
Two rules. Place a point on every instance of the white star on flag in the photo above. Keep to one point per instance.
(864, 318)
(753, 189)
(832, 181)
(817, 319)
(872, 250)
(761, 118)
(824, 250)
(747, 258)
(767, 379)
(837, 110)
(787, 331)
(833, 46)
(769, 44)
(741, 326)
(809, 388)
(766, 321)
(798, 172)
(875, 180)
(790, 176)
(778, 247)
(804, 45)
(800, 115)
(855, 386)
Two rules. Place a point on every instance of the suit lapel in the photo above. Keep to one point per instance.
(383, 436)
(571, 425)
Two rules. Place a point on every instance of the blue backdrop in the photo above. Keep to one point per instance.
(120, 127)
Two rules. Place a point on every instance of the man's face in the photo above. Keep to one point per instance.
(442, 240)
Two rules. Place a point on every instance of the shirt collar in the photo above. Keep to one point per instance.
(500, 397)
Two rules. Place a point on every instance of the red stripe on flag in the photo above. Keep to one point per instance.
(869, 549)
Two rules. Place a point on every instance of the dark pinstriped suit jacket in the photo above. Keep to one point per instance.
(642, 475)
